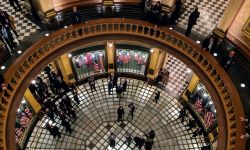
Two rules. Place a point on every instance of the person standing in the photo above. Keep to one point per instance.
(151, 135)
(50, 114)
(112, 137)
(124, 85)
(114, 79)
(110, 87)
(7, 21)
(131, 110)
(66, 124)
(119, 91)
(91, 82)
(120, 113)
(55, 132)
(7, 37)
(192, 21)
(149, 144)
(157, 96)
(15, 4)
(76, 17)
(128, 138)
(228, 60)
(139, 142)
(182, 114)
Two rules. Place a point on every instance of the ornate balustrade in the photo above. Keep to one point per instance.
(20, 73)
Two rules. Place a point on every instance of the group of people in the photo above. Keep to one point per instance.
(139, 141)
(121, 112)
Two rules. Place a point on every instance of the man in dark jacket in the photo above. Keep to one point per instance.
(110, 87)
(55, 132)
(192, 21)
(228, 60)
(66, 124)
(120, 113)
(157, 96)
(77, 17)
(5, 21)
(131, 110)
(125, 84)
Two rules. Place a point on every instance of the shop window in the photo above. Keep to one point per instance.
(89, 63)
(133, 61)
(203, 104)
(25, 117)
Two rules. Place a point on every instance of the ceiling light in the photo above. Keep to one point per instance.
(33, 81)
(19, 52)
(23, 102)
(2, 67)
(189, 70)
(152, 50)
(65, 27)
(205, 95)
(69, 55)
(198, 42)
(18, 110)
(215, 54)
(110, 45)
(243, 85)
(210, 102)
(47, 34)
(170, 28)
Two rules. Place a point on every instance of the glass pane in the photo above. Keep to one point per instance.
(131, 61)
(89, 63)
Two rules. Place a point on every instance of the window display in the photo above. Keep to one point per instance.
(203, 104)
(89, 63)
(25, 116)
(131, 61)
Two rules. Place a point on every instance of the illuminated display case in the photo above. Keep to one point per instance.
(203, 104)
(132, 59)
(24, 118)
(86, 62)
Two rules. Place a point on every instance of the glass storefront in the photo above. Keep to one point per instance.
(89, 63)
(25, 117)
(203, 104)
(133, 61)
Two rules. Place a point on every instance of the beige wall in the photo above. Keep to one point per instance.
(235, 33)
(45, 5)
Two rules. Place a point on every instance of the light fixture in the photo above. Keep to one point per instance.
(210, 102)
(69, 55)
(198, 42)
(92, 55)
(215, 54)
(151, 50)
(110, 45)
(19, 52)
(18, 110)
(47, 34)
(243, 85)
(205, 95)
(198, 88)
(65, 27)
(33, 81)
(170, 28)
(214, 110)
(77, 60)
(100, 54)
(23, 102)
(189, 70)
(2, 67)
(143, 56)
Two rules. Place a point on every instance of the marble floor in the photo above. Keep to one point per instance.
(96, 119)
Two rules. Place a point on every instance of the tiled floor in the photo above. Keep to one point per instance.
(96, 118)
(211, 12)
(24, 27)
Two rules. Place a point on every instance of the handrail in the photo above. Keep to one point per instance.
(224, 93)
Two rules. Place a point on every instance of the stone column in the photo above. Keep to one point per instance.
(110, 56)
(32, 101)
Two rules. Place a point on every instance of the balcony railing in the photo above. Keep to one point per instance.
(226, 96)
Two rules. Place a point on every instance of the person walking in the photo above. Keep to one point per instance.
(128, 138)
(15, 4)
(192, 21)
(114, 79)
(131, 110)
(120, 114)
(124, 85)
(110, 87)
(157, 96)
(112, 137)
(91, 82)
(66, 124)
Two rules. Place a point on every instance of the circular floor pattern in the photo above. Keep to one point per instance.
(96, 119)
